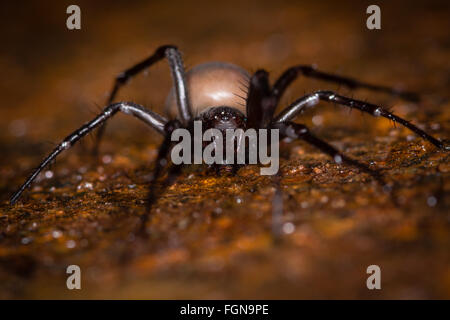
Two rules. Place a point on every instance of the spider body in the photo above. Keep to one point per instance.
(213, 84)
(223, 96)
(217, 96)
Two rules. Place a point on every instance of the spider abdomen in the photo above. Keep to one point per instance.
(213, 84)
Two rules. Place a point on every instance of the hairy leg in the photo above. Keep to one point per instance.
(308, 71)
(151, 118)
(178, 75)
(311, 100)
(300, 131)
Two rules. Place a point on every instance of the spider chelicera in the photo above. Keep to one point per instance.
(211, 93)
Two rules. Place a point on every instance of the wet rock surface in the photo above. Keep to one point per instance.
(211, 236)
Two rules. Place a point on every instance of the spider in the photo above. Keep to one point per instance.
(208, 93)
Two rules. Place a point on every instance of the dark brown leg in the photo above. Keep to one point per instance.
(308, 101)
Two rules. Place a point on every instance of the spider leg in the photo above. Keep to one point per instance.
(177, 69)
(151, 118)
(308, 71)
(260, 104)
(297, 107)
(300, 131)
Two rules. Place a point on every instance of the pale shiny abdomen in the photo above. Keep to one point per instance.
(213, 84)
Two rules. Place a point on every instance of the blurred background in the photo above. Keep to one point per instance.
(211, 235)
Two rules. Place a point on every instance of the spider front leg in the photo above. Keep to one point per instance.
(151, 118)
(311, 100)
(308, 71)
(177, 69)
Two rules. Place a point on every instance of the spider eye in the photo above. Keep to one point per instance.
(223, 118)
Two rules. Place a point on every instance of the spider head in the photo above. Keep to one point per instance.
(223, 118)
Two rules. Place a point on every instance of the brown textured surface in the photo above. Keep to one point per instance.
(211, 236)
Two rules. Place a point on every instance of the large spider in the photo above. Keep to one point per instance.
(209, 93)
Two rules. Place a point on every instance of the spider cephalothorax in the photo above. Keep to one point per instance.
(222, 118)
(224, 96)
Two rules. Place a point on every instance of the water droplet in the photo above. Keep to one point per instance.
(71, 244)
(56, 234)
(25, 240)
(431, 201)
(48, 174)
(338, 159)
(106, 159)
(85, 185)
(377, 112)
(317, 120)
(288, 227)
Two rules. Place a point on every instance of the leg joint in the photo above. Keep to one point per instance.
(326, 95)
